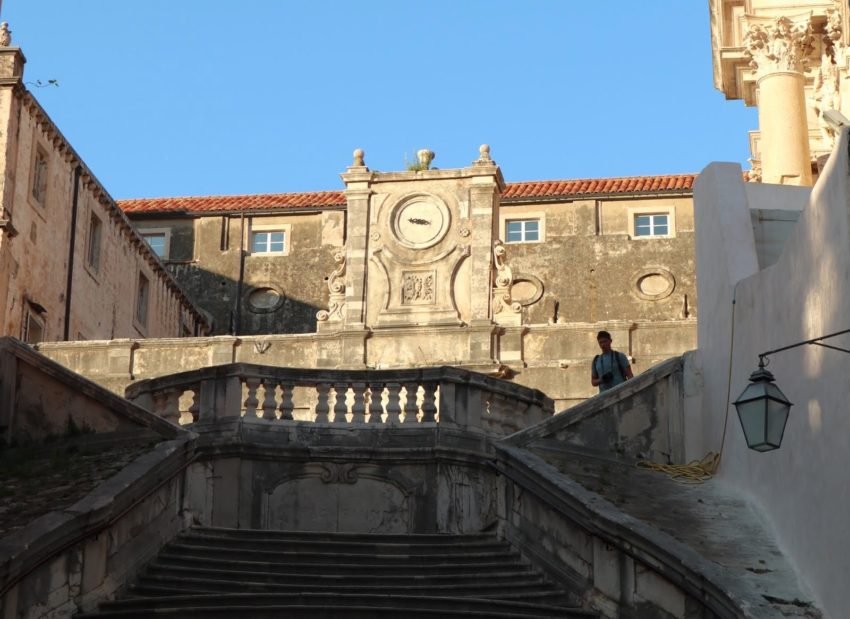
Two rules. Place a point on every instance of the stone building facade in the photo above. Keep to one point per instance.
(790, 58)
(71, 265)
(512, 279)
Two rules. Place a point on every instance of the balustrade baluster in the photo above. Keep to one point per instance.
(269, 402)
(410, 407)
(393, 403)
(195, 406)
(251, 400)
(172, 406)
(322, 406)
(340, 405)
(376, 409)
(358, 408)
(429, 408)
(286, 405)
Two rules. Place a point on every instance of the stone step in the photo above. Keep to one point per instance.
(308, 555)
(345, 565)
(535, 587)
(328, 611)
(341, 600)
(347, 546)
(214, 573)
(318, 536)
(505, 575)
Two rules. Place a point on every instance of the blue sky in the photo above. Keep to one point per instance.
(200, 97)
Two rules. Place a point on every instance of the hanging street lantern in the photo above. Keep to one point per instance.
(763, 411)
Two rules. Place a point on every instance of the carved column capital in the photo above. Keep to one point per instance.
(778, 45)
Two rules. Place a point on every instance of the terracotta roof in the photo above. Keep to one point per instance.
(268, 201)
(631, 184)
(320, 199)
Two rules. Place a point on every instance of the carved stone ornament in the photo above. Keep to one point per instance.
(779, 45)
(376, 236)
(5, 35)
(503, 281)
(418, 288)
(336, 286)
(464, 232)
(754, 175)
(827, 86)
(333, 473)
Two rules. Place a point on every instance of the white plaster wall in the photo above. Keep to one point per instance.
(803, 487)
(725, 253)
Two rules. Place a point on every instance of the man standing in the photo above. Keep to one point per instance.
(610, 367)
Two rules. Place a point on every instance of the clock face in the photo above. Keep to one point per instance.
(420, 222)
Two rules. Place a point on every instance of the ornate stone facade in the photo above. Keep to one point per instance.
(789, 58)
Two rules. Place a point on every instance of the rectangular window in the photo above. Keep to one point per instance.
(93, 253)
(39, 176)
(268, 242)
(652, 225)
(522, 231)
(142, 300)
(157, 242)
(33, 329)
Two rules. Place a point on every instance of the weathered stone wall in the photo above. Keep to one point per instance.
(554, 358)
(37, 235)
(595, 271)
(204, 256)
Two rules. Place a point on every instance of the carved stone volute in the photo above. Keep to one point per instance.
(336, 287)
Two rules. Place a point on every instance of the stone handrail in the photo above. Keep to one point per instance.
(444, 395)
(39, 398)
(639, 419)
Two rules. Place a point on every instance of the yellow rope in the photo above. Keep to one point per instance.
(695, 472)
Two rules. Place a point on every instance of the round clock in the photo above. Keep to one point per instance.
(419, 222)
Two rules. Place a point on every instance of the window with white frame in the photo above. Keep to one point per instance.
(652, 224)
(268, 242)
(158, 242)
(522, 231)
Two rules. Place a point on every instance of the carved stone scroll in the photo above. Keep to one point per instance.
(506, 311)
(336, 286)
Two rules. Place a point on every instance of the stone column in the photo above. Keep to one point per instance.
(778, 49)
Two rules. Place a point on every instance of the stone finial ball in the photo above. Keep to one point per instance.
(358, 156)
(484, 149)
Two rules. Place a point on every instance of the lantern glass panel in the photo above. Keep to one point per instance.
(752, 416)
(777, 416)
(754, 391)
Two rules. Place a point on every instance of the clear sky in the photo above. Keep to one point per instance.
(200, 97)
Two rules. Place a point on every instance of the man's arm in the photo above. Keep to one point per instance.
(594, 379)
(629, 374)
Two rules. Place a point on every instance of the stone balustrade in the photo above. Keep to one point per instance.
(426, 396)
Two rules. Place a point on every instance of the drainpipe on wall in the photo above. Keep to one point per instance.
(69, 284)
(238, 321)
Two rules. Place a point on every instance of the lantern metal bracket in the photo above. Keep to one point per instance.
(817, 341)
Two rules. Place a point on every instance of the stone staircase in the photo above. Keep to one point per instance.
(210, 572)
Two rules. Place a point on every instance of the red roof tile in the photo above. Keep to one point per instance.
(322, 199)
(631, 184)
(200, 204)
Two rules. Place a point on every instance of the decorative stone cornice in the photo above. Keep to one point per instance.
(778, 45)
